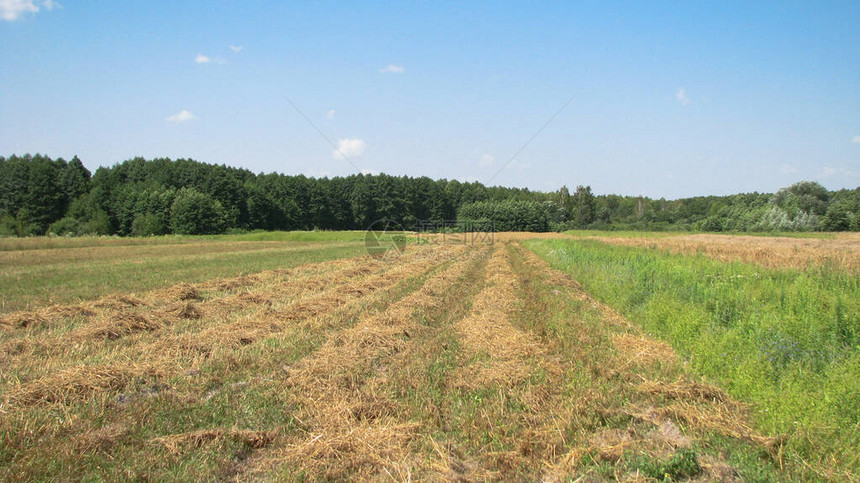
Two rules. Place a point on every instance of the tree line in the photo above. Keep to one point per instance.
(40, 195)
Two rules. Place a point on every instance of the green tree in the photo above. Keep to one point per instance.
(196, 213)
(583, 206)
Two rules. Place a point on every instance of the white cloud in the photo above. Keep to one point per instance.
(330, 114)
(828, 171)
(369, 172)
(349, 148)
(236, 48)
(787, 169)
(181, 116)
(486, 160)
(205, 59)
(11, 10)
(391, 68)
(855, 140)
(681, 95)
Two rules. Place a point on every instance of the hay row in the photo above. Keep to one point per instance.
(166, 353)
(353, 427)
(109, 324)
(487, 331)
(79, 382)
(177, 443)
(181, 292)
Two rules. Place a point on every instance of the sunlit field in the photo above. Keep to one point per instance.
(773, 320)
(537, 356)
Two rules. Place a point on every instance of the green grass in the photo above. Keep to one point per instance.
(786, 340)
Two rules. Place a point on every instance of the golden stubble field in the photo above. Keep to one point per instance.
(842, 252)
(451, 362)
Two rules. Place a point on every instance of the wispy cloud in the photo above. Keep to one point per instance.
(330, 114)
(205, 59)
(486, 160)
(787, 169)
(349, 148)
(369, 172)
(855, 140)
(236, 48)
(681, 96)
(11, 10)
(391, 68)
(181, 116)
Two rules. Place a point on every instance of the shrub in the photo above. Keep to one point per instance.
(65, 227)
(196, 213)
(148, 224)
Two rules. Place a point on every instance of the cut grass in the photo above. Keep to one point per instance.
(671, 234)
(786, 340)
(54, 242)
(839, 253)
(196, 418)
(31, 279)
(446, 364)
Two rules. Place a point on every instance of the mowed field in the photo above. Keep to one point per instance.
(296, 356)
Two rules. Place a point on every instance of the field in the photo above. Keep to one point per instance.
(555, 357)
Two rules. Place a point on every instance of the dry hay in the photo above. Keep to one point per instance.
(77, 382)
(703, 407)
(451, 464)
(186, 310)
(369, 449)
(722, 419)
(487, 330)
(640, 350)
(686, 390)
(23, 320)
(177, 443)
(181, 291)
(117, 302)
(101, 439)
(575, 289)
(349, 278)
(772, 252)
(120, 324)
(354, 429)
(45, 317)
(229, 284)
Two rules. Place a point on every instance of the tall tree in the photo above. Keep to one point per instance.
(583, 206)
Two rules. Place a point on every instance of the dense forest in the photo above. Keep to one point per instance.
(40, 195)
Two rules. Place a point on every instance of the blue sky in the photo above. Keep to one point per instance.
(669, 99)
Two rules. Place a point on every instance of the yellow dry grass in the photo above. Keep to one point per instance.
(352, 429)
(842, 252)
(487, 331)
(176, 443)
(64, 374)
(359, 395)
